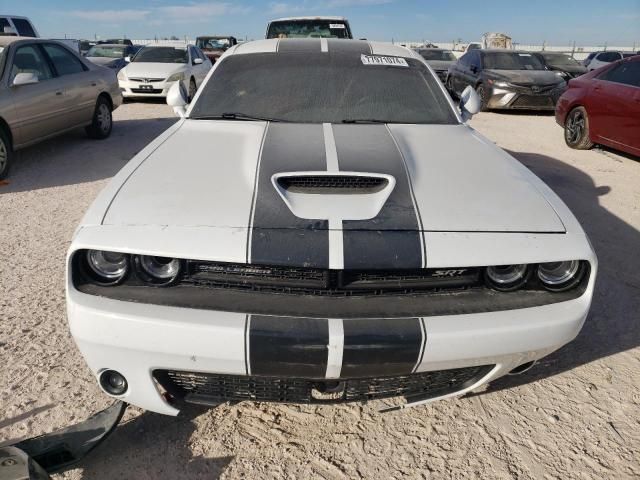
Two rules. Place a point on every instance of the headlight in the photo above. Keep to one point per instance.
(507, 277)
(160, 270)
(108, 267)
(176, 77)
(502, 84)
(122, 76)
(557, 276)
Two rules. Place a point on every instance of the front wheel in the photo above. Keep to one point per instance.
(6, 154)
(482, 93)
(102, 121)
(192, 89)
(576, 129)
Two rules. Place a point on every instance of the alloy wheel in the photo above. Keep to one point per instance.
(4, 155)
(575, 127)
(104, 118)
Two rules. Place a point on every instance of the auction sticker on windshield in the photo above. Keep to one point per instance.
(386, 61)
(336, 25)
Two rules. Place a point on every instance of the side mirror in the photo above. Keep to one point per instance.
(197, 61)
(24, 79)
(127, 59)
(469, 103)
(178, 98)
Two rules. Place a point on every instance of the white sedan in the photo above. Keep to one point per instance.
(153, 70)
(322, 226)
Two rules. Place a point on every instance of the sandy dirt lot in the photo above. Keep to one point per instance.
(575, 415)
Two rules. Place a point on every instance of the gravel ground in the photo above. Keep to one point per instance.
(575, 415)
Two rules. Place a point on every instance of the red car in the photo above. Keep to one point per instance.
(603, 107)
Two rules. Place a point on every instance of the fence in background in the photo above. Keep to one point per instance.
(578, 52)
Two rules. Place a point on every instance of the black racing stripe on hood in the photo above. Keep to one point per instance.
(277, 236)
(288, 45)
(393, 239)
(381, 347)
(288, 346)
(356, 47)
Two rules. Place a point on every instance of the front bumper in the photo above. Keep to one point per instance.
(131, 89)
(140, 339)
(523, 98)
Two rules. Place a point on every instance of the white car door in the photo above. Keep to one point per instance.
(604, 58)
(200, 70)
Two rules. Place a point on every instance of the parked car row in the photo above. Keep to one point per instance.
(506, 79)
(46, 89)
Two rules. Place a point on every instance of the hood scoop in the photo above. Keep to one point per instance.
(333, 184)
(334, 196)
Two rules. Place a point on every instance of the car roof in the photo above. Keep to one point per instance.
(119, 45)
(9, 39)
(221, 37)
(345, 45)
(289, 19)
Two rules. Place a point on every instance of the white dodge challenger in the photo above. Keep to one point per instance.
(321, 226)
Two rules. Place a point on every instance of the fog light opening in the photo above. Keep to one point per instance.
(113, 382)
(525, 367)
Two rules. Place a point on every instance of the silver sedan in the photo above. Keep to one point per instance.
(46, 89)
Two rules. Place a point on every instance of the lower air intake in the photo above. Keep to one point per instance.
(208, 388)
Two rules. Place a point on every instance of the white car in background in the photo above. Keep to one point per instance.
(329, 248)
(600, 59)
(154, 69)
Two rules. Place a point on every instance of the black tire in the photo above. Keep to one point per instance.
(484, 100)
(102, 122)
(576, 129)
(192, 89)
(448, 85)
(6, 154)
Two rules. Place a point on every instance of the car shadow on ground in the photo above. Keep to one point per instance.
(131, 449)
(73, 158)
(612, 324)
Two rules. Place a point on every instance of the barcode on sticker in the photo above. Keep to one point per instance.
(336, 25)
(386, 61)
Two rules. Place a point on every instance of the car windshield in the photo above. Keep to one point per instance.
(560, 60)
(511, 61)
(320, 88)
(161, 55)
(102, 51)
(213, 43)
(444, 55)
(308, 29)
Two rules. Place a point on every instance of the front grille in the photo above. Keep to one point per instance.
(209, 388)
(146, 90)
(326, 282)
(332, 184)
(146, 80)
(532, 101)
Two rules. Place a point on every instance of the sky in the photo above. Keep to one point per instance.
(557, 22)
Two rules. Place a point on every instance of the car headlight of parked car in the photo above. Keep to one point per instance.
(176, 77)
(107, 268)
(122, 76)
(559, 276)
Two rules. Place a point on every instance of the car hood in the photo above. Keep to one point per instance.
(159, 70)
(573, 69)
(228, 174)
(525, 77)
(103, 61)
(440, 64)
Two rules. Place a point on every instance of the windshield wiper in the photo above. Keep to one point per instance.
(364, 120)
(238, 116)
(370, 121)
